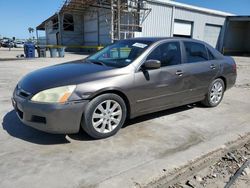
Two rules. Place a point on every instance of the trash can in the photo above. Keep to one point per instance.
(61, 51)
(53, 52)
(41, 51)
(29, 50)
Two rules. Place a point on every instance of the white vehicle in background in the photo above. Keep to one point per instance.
(19, 44)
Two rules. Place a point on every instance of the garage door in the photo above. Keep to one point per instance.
(182, 29)
(212, 34)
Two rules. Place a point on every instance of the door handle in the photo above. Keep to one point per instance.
(212, 66)
(179, 72)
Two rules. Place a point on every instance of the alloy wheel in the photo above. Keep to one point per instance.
(216, 92)
(107, 116)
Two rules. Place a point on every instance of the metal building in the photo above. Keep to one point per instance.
(177, 19)
(86, 23)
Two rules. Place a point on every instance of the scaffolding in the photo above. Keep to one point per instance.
(126, 16)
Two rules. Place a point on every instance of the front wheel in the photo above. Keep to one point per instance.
(215, 93)
(104, 116)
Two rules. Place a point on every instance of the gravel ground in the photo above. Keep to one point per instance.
(219, 174)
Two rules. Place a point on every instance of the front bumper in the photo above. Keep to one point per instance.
(51, 118)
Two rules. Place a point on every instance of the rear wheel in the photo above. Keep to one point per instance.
(104, 116)
(215, 93)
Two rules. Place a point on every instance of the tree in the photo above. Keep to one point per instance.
(31, 31)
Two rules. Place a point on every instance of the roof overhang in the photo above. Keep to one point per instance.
(239, 18)
(77, 6)
(42, 25)
(83, 5)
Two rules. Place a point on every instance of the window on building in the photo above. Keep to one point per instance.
(68, 22)
(167, 53)
(55, 23)
(195, 52)
(183, 29)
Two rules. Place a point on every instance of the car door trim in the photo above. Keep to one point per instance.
(159, 96)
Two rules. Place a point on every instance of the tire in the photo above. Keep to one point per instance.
(104, 116)
(215, 93)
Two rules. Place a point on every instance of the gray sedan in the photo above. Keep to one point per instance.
(124, 80)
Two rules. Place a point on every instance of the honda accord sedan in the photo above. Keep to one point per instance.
(126, 79)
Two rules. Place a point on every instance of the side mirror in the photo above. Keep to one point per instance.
(152, 64)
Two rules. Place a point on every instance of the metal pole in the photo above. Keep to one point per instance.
(119, 19)
(172, 22)
(98, 27)
(225, 28)
(83, 29)
(112, 21)
(37, 37)
(59, 28)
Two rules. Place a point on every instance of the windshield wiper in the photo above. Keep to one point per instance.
(97, 62)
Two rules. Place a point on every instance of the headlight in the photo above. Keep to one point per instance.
(54, 95)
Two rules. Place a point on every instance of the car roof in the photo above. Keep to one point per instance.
(156, 39)
(151, 39)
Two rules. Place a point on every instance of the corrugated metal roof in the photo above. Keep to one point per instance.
(191, 7)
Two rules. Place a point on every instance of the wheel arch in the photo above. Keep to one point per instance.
(224, 80)
(117, 92)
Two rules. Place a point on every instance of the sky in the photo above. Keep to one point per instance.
(238, 7)
(16, 16)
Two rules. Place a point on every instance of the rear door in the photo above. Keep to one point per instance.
(201, 70)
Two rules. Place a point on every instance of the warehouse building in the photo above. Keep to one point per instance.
(91, 23)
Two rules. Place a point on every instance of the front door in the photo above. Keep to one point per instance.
(160, 88)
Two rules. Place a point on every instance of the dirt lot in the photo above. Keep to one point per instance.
(145, 150)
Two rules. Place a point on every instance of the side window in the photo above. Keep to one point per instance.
(168, 54)
(195, 52)
(210, 55)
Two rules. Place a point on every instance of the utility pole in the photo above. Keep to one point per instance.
(60, 29)
(119, 19)
(112, 21)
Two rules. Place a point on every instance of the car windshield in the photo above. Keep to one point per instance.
(121, 53)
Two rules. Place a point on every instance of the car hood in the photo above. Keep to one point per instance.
(71, 73)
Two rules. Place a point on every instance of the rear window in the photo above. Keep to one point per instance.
(210, 55)
(195, 52)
